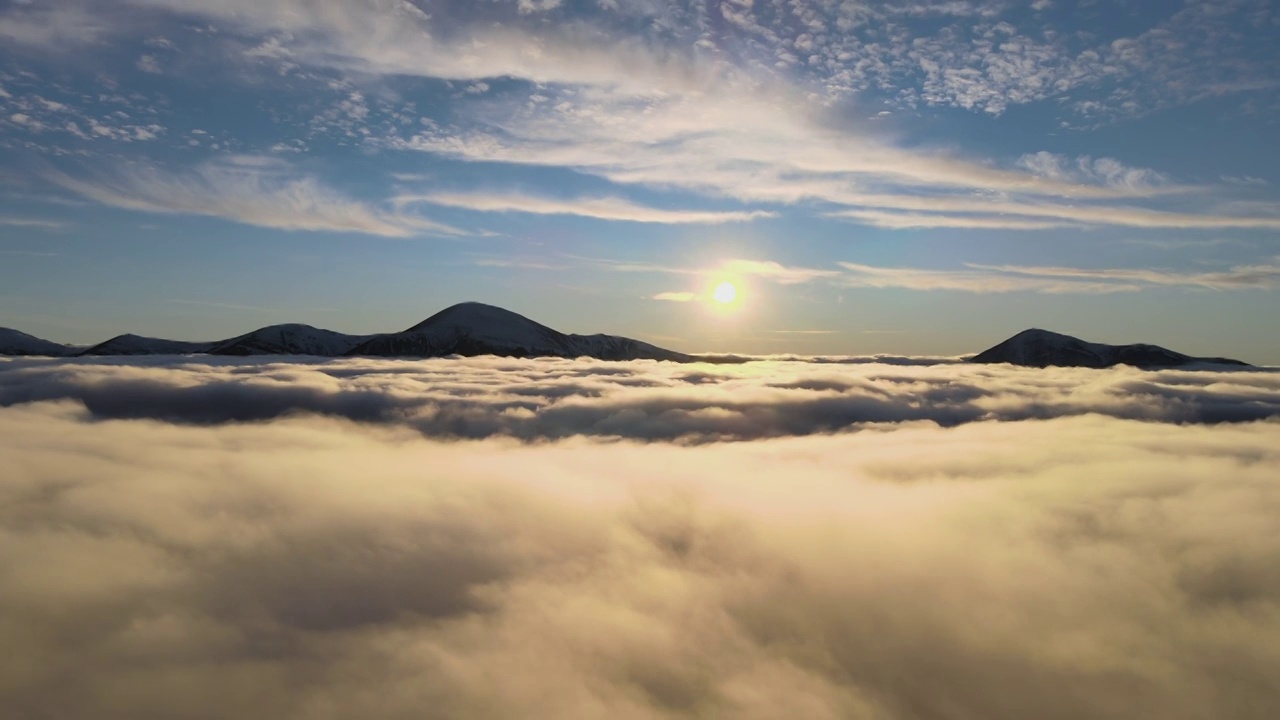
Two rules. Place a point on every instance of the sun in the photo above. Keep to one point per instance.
(725, 293)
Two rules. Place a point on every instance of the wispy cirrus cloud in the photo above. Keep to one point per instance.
(978, 278)
(977, 211)
(774, 271)
(897, 220)
(33, 223)
(676, 296)
(601, 208)
(733, 269)
(520, 263)
(973, 281)
(632, 112)
(983, 56)
(970, 277)
(1247, 180)
(705, 108)
(1263, 276)
(722, 143)
(770, 270)
(249, 190)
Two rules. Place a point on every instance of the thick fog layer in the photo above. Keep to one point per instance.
(182, 539)
(552, 398)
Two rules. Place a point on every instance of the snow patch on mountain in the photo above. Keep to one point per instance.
(16, 342)
(290, 339)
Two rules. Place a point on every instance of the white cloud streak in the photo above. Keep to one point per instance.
(971, 277)
(1265, 276)
(978, 278)
(775, 271)
(601, 208)
(912, 220)
(769, 270)
(981, 211)
(676, 296)
(251, 191)
(34, 223)
(975, 280)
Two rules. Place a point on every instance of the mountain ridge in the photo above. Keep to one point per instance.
(130, 344)
(1043, 348)
(16, 342)
(468, 328)
(289, 339)
(473, 328)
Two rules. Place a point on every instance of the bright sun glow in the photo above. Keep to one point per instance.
(725, 293)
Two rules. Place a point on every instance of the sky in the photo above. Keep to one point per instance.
(483, 538)
(896, 177)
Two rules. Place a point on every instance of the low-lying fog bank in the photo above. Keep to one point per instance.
(495, 538)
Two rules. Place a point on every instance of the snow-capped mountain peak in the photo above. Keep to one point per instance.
(290, 339)
(489, 325)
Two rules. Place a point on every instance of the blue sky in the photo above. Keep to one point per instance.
(899, 177)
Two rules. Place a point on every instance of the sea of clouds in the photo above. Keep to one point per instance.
(885, 539)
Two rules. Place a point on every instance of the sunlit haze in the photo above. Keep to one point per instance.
(956, 171)
(639, 360)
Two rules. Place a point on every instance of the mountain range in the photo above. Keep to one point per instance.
(473, 328)
(468, 328)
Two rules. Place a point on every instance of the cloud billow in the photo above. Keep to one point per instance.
(1080, 567)
(552, 399)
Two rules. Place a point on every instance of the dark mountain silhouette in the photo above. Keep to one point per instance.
(1041, 348)
(290, 339)
(468, 328)
(15, 342)
(473, 328)
(478, 329)
(139, 345)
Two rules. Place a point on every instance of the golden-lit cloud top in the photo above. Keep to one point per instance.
(332, 550)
